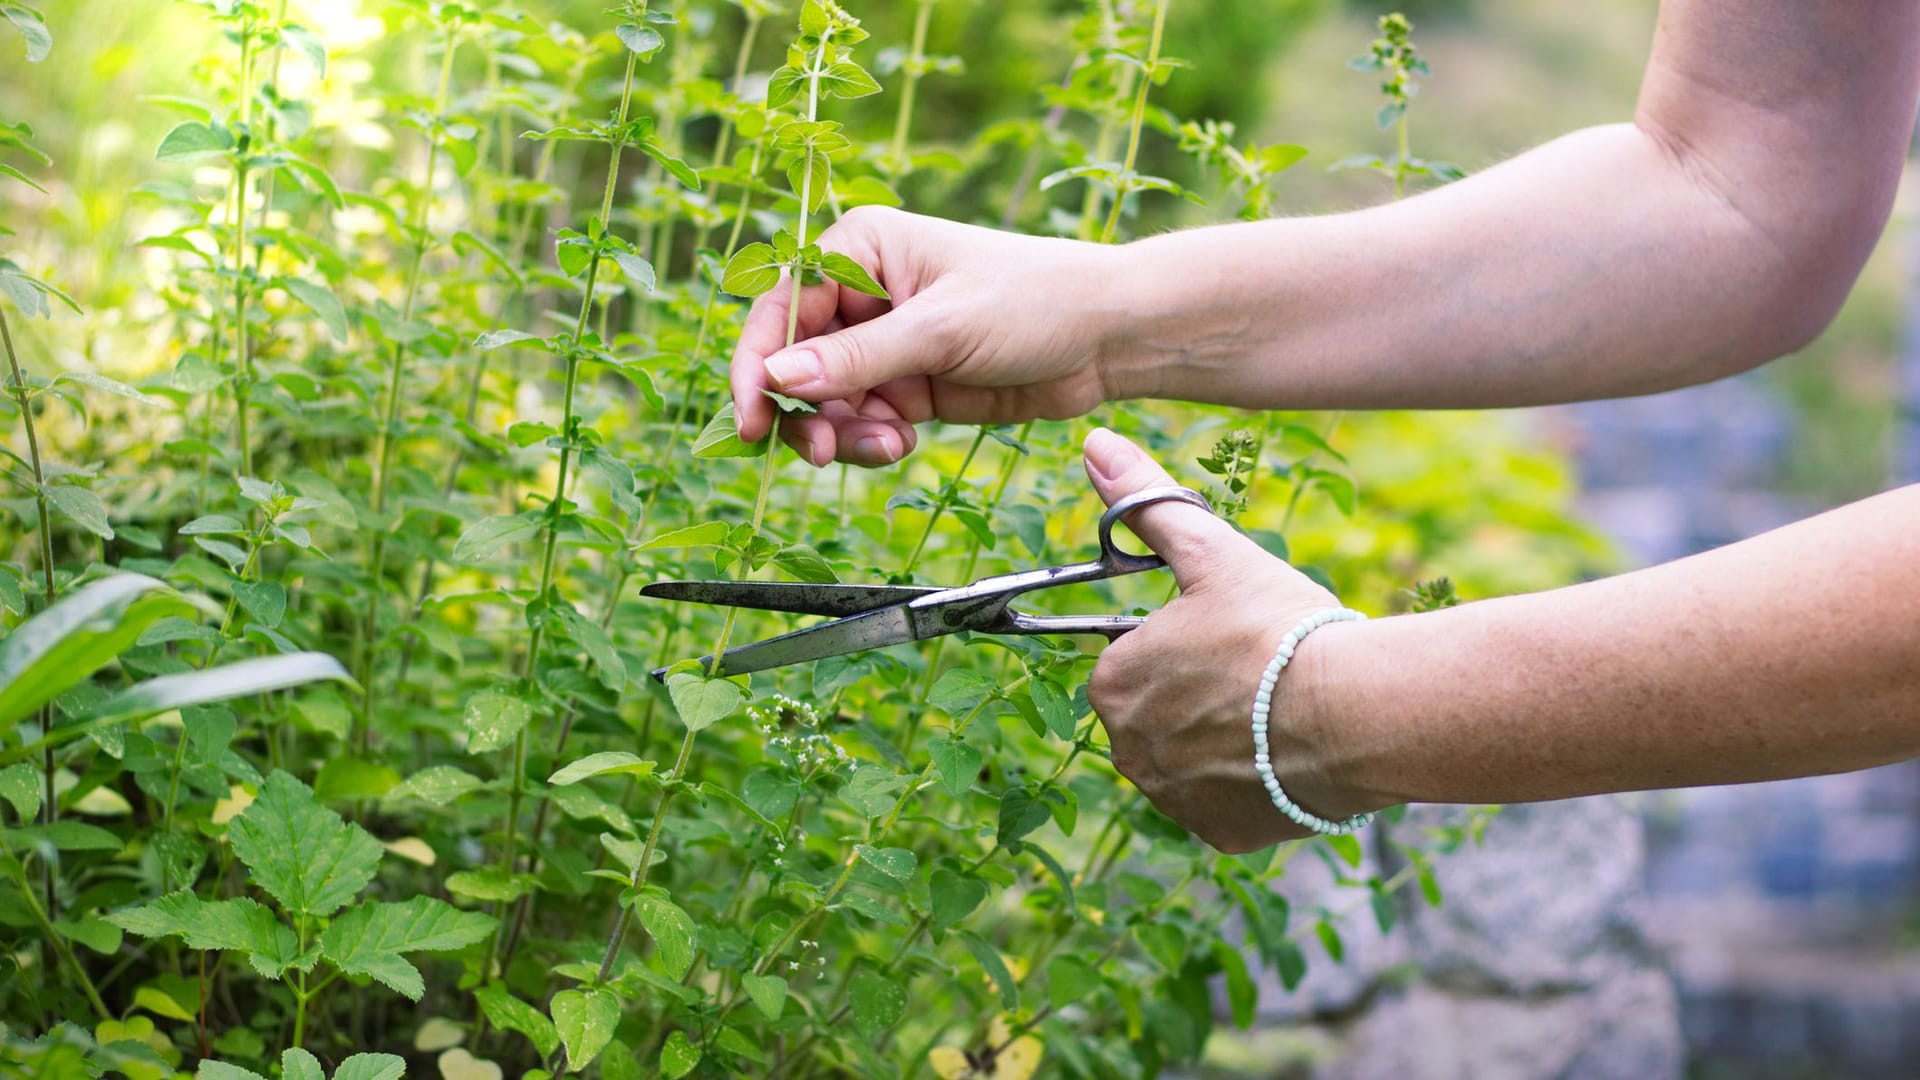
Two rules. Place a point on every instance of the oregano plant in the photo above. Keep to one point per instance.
(328, 746)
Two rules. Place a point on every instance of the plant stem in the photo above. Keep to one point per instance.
(390, 413)
(59, 943)
(1138, 121)
(50, 811)
(916, 57)
(1400, 166)
(947, 495)
(243, 383)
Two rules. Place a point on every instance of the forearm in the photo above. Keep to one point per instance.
(1720, 229)
(1794, 653)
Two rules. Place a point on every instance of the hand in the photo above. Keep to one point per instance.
(983, 327)
(1176, 694)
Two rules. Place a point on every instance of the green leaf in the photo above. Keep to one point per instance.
(790, 405)
(954, 897)
(511, 1014)
(369, 939)
(702, 702)
(705, 534)
(958, 763)
(1165, 942)
(678, 1056)
(644, 40)
(31, 27)
(959, 690)
(488, 535)
(1070, 980)
(754, 269)
(242, 925)
(437, 785)
(671, 929)
(490, 884)
(495, 339)
(848, 80)
(103, 384)
(721, 439)
(298, 1064)
(492, 719)
(303, 41)
(266, 601)
(845, 270)
(585, 1020)
(219, 1070)
(63, 645)
(1055, 709)
(897, 863)
(371, 1067)
(194, 141)
(1330, 939)
(607, 761)
(323, 302)
(803, 563)
(1020, 814)
(878, 1002)
(638, 270)
(767, 992)
(303, 854)
(20, 786)
(83, 507)
(991, 962)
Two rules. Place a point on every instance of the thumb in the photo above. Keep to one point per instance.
(1191, 540)
(844, 363)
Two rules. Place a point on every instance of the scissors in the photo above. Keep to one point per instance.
(876, 616)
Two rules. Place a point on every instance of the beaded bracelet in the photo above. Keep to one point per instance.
(1263, 700)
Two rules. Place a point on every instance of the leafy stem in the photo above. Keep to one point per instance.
(1138, 121)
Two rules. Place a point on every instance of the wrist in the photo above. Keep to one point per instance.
(1316, 738)
(1123, 356)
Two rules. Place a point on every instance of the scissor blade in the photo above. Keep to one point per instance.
(796, 597)
(856, 633)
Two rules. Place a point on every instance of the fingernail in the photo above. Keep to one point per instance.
(873, 448)
(1109, 455)
(794, 369)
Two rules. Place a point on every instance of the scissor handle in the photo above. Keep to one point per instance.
(1118, 560)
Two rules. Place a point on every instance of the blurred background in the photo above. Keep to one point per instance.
(1786, 915)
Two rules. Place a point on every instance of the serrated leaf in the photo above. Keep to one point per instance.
(371, 1067)
(494, 339)
(959, 690)
(638, 270)
(242, 925)
(490, 884)
(369, 939)
(1056, 710)
(585, 1020)
(306, 856)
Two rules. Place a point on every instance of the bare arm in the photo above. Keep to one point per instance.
(1721, 229)
(1791, 654)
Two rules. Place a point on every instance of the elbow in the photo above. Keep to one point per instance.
(1815, 239)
